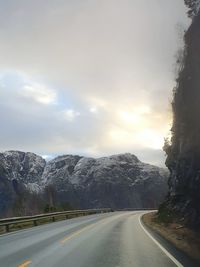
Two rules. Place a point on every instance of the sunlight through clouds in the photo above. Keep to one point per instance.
(151, 138)
(130, 118)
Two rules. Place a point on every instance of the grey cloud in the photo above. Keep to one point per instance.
(29, 125)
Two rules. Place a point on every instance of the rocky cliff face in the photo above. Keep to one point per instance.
(20, 178)
(193, 6)
(184, 152)
(118, 181)
(23, 168)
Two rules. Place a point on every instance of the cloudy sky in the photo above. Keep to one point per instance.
(88, 77)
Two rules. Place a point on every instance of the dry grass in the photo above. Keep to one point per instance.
(180, 236)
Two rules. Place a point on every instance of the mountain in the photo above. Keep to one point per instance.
(183, 151)
(20, 179)
(119, 181)
(194, 6)
(26, 168)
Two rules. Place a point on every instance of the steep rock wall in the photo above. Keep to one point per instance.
(183, 158)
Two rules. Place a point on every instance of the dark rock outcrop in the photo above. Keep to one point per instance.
(7, 193)
(183, 153)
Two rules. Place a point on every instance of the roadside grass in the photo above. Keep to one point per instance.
(178, 234)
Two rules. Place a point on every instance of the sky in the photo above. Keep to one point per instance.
(88, 77)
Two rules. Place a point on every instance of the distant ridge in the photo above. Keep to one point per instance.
(118, 181)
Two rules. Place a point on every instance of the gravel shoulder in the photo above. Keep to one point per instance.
(181, 237)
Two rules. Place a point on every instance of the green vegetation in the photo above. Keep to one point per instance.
(61, 207)
(164, 215)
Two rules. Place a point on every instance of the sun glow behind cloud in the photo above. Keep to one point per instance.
(151, 138)
(144, 138)
(130, 118)
(136, 116)
(93, 109)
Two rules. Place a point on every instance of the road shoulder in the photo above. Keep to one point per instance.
(186, 243)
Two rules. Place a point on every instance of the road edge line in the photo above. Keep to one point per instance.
(169, 255)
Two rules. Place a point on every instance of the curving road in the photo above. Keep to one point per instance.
(106, 240)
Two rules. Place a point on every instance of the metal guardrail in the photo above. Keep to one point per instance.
(136, 209)
(36, 218)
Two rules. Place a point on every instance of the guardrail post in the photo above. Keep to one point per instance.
(7, 228)
(53, 219)
(35, 223)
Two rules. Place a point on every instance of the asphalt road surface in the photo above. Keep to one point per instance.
(115, 239)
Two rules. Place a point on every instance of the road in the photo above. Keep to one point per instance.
(105, 240)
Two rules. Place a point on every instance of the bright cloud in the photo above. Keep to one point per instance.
(93, 110)
(39, 93)
(71, 114)
(130, 118)
(151, 138)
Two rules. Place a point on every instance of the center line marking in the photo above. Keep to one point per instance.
(77, 233)
(25, 264)
(102, 222)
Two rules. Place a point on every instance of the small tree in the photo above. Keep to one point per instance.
(167, 145)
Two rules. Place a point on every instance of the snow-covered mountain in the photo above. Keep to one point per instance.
(194, 7)
(117, 181)
(26, 168)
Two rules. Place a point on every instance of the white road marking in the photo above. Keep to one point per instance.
(160, 246)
